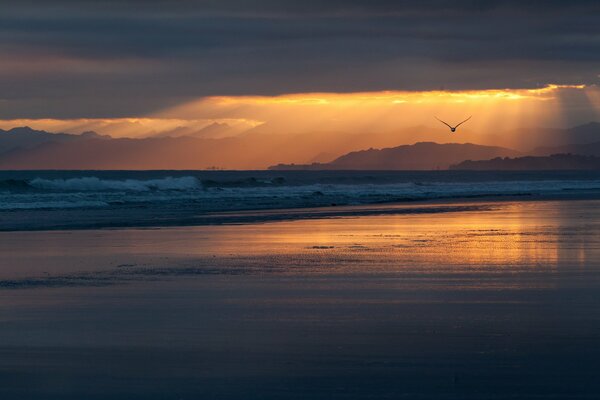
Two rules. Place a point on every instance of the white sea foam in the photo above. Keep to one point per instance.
(37, 205)
(192, 194)
(96, 184)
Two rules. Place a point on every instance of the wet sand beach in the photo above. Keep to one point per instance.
(493, 301)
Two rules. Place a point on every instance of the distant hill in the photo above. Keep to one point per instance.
(554, 137)
(215, 130)
(25, 148)
(589, 149)
(585, 133)
(419, 156)
(552, 162)
(252, 150)
(26, 138)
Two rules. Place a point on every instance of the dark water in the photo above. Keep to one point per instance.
(90, 199)
(495, 302)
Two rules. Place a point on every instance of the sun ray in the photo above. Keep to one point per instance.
(498, 114)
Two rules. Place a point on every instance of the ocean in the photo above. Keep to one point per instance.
(172, 285)
(32, 200)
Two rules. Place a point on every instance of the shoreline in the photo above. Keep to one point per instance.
(258, 216)
(484, 304)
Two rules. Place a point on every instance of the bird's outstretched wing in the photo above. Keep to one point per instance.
(443, 122)
(464, 121)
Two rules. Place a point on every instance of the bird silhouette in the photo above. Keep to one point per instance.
(453, 128)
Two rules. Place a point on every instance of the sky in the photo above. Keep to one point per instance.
(139, 68)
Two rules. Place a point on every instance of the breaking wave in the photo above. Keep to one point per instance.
(97, 184)
(92, 184)
(42, 205)
(197, 192)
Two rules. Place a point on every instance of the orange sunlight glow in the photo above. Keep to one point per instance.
(497, 112)
(130, 127)
(395, 97)
(409, 116)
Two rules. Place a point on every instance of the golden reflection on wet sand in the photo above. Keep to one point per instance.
(460, 305)
(519, 236)
(511, 237)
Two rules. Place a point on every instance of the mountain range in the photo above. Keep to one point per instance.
(531, 138)
(25, 138)
(420, 156)
(552, 162)
(589, 149)
(26, 148)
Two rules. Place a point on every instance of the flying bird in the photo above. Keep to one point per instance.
(453, 128)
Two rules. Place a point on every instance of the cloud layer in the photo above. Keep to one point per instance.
(104, 59)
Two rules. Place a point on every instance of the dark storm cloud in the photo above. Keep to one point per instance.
(115, 58)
